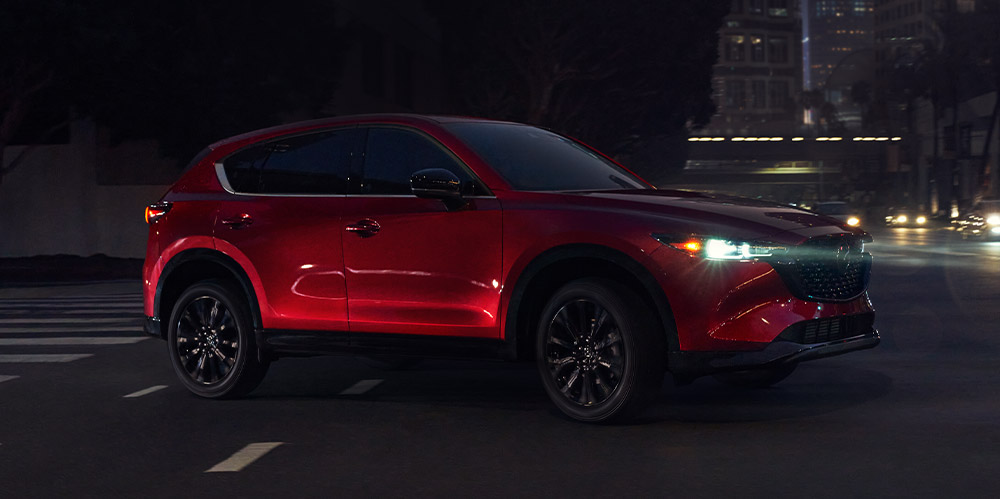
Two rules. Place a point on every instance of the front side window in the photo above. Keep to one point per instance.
(532, 159)
(392, 155)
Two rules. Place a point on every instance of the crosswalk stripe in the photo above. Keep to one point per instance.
(7, 378)
(81, 329)
(45, 306)
(82, 340)
(71, 320)
(34, 358)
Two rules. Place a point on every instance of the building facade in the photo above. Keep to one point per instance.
(757, 79)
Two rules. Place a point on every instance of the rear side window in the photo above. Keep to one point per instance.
(392, 155)
(317, 163)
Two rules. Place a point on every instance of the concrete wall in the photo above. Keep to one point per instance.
(52, 204)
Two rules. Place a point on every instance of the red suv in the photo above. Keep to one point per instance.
(411, 236)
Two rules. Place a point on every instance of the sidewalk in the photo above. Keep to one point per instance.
(68, 275)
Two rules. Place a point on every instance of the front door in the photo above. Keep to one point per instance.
(412, 265)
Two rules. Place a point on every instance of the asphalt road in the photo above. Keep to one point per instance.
(90, 408)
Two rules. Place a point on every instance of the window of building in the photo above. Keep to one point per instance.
(777, 8)
(734, 48)
(755, 7)
(777, 49)
(757, 48)
(778, 94)
(736, 94)
(737, 7)
(758, 94)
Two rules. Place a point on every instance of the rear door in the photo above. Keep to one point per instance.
(412, 265)
(284, 218)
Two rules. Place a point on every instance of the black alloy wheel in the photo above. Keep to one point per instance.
(211, 343)
(599, 351)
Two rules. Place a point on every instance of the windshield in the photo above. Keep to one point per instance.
(532, 159)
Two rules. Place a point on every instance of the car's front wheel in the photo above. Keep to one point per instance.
(211, 342)
(599, 351)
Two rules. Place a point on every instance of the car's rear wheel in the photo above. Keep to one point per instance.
(599, 351)
(756, 378)
(211, 342)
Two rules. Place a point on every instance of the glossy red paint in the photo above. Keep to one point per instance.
(433, 271)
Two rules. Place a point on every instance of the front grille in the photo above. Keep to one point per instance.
(829, 329)
(826, 269)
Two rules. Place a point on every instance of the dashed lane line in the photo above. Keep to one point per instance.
(361, 387)
(36, 358)
(243, 457)
(4, 377)
(144, 391)
(79, 340)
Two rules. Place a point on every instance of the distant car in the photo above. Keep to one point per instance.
(839, 210)
(903, 217)
(983, 222)
(411, 236)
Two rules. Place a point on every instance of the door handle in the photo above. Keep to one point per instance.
(238, 222)
(364, 228)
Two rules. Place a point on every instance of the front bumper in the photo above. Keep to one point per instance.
(690, 365)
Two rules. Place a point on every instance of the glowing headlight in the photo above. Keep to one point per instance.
(853, 221)
(921, 220)
(993, 219)
(902, 219)
(719, 249)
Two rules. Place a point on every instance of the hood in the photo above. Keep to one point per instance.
(728, 216)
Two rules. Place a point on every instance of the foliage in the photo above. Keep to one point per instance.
(615, 74)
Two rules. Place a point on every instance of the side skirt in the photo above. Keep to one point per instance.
(298, 343)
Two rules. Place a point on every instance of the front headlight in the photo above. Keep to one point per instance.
(993, 219)
(902, 219)
(921, 220)
(713, 248)
(854, 221)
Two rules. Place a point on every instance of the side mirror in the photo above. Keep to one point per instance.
(436, 183)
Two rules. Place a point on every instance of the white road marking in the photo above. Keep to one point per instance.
(7, 378)
(33, 358)
(243, 457)
(70, 305)
(145, 391)
(80, 340)
(105, 329)
(74, 320)
(94, 311)
(362, 386)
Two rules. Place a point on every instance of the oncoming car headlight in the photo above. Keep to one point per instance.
(854, 221)
(713, 248)
(993, 219)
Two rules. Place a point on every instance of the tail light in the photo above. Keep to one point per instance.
(156, 211)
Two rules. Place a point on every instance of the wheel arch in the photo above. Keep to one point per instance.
(555, 267)
(198, 264)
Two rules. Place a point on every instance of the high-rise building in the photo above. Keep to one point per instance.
(833, 30)
(757, 79)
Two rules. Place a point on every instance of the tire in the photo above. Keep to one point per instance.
(756, 378)
(211, 342)
(600, 351)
